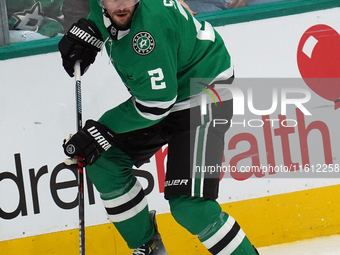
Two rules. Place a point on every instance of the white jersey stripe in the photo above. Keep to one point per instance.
(231, 247)
(193, 173)
(203, 156)
(151, 116)
(129, 196)
(157, 104)
(152, 106)
(133, 192)
(213, 240)
(129, 213)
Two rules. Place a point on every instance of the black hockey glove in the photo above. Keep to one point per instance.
(82, 42)
(89, 143)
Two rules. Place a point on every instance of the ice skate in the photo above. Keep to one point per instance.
(155, 246)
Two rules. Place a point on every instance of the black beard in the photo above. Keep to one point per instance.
(122, 27)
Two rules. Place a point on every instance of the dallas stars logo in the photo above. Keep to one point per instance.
(143, 43)
(29, 19)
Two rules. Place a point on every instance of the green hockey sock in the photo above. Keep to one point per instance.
(194, 213)
(137, 230)
(129, 212)
(217, 230)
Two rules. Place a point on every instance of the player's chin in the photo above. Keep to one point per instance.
(123, 24)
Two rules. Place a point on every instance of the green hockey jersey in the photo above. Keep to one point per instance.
(39, 16)
(156, 59)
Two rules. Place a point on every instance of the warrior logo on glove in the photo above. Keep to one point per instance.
(89, 142)
(99, 138)
(86, 37)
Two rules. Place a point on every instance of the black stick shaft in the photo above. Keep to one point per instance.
(77, 76)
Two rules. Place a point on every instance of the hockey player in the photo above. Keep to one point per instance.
(158, 49)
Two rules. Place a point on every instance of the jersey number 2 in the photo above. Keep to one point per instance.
(156, 79)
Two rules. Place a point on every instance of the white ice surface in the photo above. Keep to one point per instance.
(316, 246)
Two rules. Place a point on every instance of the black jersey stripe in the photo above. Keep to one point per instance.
(126, 206)
(226, 239)
(153, 110)
(224, 81)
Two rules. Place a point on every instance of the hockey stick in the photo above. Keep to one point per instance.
(77, 76)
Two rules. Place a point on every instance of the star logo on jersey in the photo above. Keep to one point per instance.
(143, 43)
(29, 19)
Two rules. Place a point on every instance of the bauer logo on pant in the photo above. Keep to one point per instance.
(143, 43)
(177, 182)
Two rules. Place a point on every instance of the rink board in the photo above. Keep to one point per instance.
(38, 206)
(268, 220)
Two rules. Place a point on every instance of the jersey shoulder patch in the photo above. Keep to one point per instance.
(143, 43)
